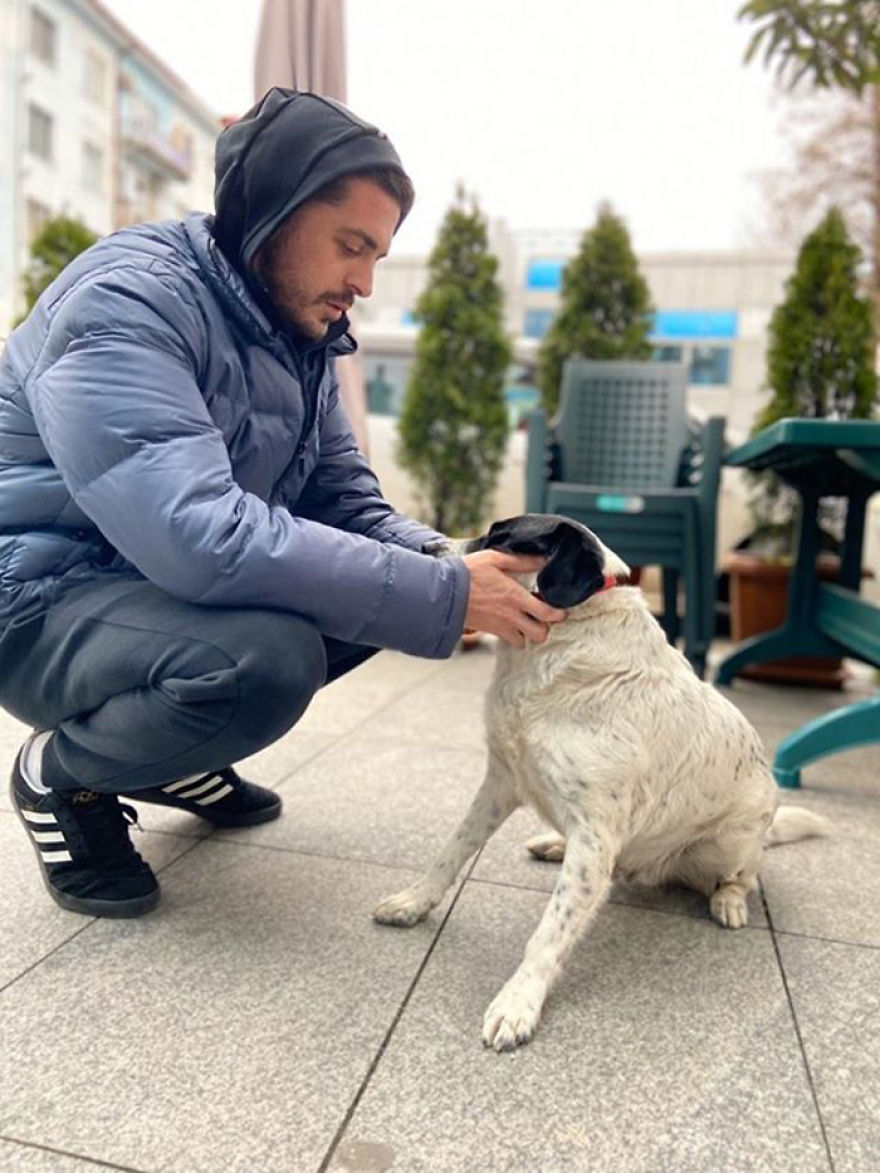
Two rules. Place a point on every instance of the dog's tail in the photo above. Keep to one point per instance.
(793, 822)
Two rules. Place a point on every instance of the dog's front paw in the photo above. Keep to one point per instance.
(513, 1016)
(403, 908)
(728, 907)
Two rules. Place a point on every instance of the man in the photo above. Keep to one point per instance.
(190, 542)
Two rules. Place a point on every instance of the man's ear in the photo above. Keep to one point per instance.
(574, 570)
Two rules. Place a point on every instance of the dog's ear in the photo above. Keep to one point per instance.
(575, 561)
(574, 570)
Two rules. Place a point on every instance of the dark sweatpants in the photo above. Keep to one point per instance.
(143, 689)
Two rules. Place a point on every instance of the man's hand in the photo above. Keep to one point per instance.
(497, 602)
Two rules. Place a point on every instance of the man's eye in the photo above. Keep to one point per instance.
(349, 250)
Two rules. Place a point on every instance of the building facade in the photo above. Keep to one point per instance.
(712, 313)
(712, 310)
(92, 126)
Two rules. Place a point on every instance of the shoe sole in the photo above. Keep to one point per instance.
(264, 815)
(118, 909)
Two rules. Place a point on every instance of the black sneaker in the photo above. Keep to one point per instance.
(221, 797)
(87, 861)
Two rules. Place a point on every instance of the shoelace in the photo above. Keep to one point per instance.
(100, 826)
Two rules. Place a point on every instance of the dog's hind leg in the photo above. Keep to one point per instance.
(582, 885)
(549, 847)
(494, 801)
(728, 903)
(725, 872)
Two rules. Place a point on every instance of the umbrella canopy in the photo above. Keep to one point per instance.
(301, 45)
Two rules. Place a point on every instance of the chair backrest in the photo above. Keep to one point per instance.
(622, 423)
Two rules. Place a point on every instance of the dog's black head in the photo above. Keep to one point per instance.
(577, 562)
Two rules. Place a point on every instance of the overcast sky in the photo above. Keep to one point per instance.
(542, 107)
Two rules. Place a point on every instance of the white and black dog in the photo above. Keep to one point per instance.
(642, 769)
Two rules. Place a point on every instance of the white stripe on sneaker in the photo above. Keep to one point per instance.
(181, 782)
(203, 788)
(48, 839)
(41, 817)
(221, 793)
(48, 836)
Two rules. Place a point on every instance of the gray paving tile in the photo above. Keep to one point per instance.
(228, 1030)
(31, 923)
(18, 1158)
(12, 734)
(835, 991)
(378, 801)
(829, 887)
(351, 700)
(668, 1045)
(446, 709)
(505, 860)
(788, 703)
(278, 761)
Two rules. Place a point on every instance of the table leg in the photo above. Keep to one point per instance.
(846, 728)
(853, 540)
(784, 641)
(799, 635)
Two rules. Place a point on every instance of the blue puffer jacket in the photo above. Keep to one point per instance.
(154, 423)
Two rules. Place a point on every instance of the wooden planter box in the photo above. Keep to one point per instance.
(758, 600)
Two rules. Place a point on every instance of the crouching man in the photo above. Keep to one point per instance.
(190, 542)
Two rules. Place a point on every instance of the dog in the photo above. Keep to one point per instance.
(644, 771)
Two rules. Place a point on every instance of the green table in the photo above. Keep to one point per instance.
(820, 458)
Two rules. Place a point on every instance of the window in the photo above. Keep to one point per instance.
(668, 353)
(93, 168)
(537, 323)
(43, 37)
(37, 215)
(710, 366)
(40, 133)
(95, 77)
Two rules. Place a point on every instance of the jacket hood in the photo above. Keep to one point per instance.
(280, 154)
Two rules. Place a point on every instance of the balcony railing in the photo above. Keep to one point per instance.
(145, 144)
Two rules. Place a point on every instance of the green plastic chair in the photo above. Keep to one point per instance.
(622, 457)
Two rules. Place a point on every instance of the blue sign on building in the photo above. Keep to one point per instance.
(695, 324)
(545, 273)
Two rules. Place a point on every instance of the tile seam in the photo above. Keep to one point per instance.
(797, 1030)
(43, 1148)
(389, 1034)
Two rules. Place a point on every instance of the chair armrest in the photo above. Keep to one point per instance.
(536, 462)
(712, 446)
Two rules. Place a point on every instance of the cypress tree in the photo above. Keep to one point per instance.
(820, 360)
(453, 425)
(820, 348)
(605, 310)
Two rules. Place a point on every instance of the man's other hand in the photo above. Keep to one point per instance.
(500, 605)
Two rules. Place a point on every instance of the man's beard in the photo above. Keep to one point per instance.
(285, 304)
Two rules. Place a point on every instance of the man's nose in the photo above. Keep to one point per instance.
(360, 279)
